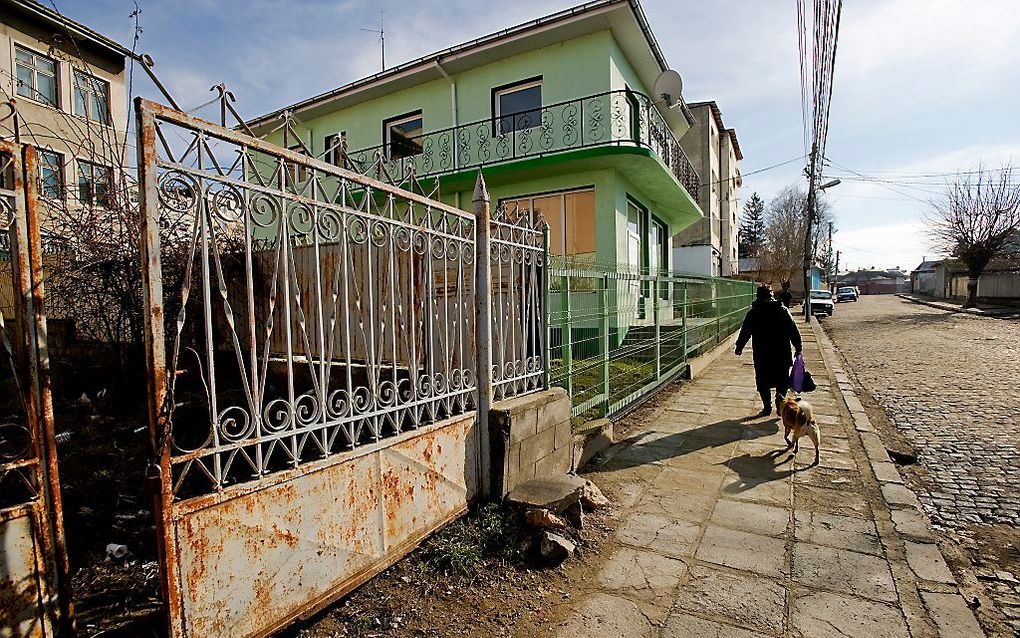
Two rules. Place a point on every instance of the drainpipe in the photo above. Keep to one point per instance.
(453, 115)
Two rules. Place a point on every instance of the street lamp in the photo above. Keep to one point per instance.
(808, 257)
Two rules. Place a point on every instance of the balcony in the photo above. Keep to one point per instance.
(622, 119)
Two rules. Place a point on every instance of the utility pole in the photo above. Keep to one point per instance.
(810, 213)
(836, 276)
(828, 262)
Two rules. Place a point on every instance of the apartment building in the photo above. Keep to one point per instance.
(709, 246)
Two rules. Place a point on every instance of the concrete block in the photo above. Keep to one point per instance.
(522, 425)
(886, 472)
(554, 412)
(554, 464)
(926, 561)
(538, 446)
(564, 435)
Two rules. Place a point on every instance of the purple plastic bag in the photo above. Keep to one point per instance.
(797, 376)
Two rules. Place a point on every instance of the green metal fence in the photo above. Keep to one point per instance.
(616, 334)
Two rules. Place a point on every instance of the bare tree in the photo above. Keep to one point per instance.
(975, 219)
(781, 254)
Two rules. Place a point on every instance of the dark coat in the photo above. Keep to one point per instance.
(772, 330)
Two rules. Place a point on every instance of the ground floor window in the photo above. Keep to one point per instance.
(51, 175)
(571, 219)
(93, 184)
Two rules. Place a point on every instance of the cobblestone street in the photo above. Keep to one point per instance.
(950, 383)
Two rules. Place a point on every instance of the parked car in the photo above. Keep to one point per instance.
(821, 303)
(847, 293)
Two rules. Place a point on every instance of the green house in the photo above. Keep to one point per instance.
(557, 113)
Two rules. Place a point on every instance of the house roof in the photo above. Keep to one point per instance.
(926, 266)
(997, 264)
(625, 18)
(76, 30)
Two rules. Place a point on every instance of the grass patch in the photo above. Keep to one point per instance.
(487, 535)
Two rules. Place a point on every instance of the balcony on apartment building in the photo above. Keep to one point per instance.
(616, 123)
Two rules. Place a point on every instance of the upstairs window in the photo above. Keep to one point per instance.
(51, 175)
(93, 184)
(334, 144)
(402, 135)
(518, 106)
(37, 76)
(91, 98)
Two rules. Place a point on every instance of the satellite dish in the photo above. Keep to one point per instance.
(668, 86)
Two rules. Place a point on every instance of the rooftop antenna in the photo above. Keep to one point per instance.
(382, 38)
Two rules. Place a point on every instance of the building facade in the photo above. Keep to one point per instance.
(709, 246)
(555, 113)
(64, 86)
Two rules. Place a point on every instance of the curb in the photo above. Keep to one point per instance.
(933, 582)
(999, 312)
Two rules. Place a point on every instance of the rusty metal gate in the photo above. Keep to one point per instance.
(34, 598)
(313, 350)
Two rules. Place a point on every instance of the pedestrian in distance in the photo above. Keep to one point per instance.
(772, 332)
(786, 296)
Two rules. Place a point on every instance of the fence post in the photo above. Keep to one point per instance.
(547, 349)
(658, 326)
(483, 327)
(718, 312)
(566, 346)
(604, 332)
(683, 321)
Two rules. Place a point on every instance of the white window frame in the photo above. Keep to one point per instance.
(91, 83)
(34, 89)
(497, 93)
(388, 128)
(61, 172)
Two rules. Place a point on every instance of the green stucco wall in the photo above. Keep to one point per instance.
(569, 70)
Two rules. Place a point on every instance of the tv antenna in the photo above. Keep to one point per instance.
(382, 39)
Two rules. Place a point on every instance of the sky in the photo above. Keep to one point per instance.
(921, 87)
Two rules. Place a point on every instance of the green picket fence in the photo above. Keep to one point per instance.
(617, 334)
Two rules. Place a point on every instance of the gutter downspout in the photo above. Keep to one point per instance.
(453, 115)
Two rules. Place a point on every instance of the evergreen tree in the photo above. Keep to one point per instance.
(751, 234)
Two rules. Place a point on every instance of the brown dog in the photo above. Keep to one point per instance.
(798, 420)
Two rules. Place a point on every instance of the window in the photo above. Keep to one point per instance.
(51, 175)
(635, 115)
(333, 144)
(93, 184)
(37, 76)
(517, 107)
(571, 219)
(91, 97)
(298, 172)
(402, 135)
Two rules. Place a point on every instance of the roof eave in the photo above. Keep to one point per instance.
(77, 29)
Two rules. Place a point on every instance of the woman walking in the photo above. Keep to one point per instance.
(772, 331)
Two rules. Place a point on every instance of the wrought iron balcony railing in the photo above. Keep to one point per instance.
(614, 118)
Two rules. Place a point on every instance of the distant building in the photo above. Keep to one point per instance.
(68, 87)
(876, 282)
(922, 278)
(709, 245)
(999, 284)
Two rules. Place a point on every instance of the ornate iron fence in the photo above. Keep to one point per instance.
(613, 118)
(34, 585)
(322, 333)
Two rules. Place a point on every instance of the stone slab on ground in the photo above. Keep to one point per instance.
(554, 493)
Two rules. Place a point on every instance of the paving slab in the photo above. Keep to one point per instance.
(755, 518)
(744, 551)
(841, 532)
(833, 569)
(658, 533)
(683, 625)
(830, 615)
(951, 615)
(602, 615)
(745, 600)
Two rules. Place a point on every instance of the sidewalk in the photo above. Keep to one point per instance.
(718, 537)
(983, 310)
